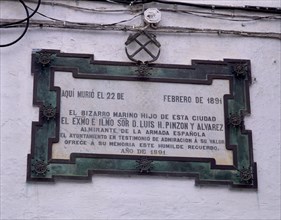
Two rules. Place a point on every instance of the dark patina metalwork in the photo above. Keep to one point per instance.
(48, 112)
(240, 70)
(143, 69)
(82, 166)
(246, 175)
(150, 39)
(39, 167)
(235, 120)
(144, 165)
(45, 58)
(137, 40)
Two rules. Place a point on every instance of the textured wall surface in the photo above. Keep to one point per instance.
(139, 197)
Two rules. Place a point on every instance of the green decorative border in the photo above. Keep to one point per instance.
(45, 132)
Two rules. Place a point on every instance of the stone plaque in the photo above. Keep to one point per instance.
(141, 118)
(102, 117)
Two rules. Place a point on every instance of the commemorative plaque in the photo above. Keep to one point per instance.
(178, 120)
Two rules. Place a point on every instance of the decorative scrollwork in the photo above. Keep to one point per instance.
(240, 70)
(144, 165)
(143, 69)
(246, 174)
(235, 120)
(48, 112)
(45, 58)
(39, 167)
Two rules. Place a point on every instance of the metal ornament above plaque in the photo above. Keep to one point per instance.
(103, 117)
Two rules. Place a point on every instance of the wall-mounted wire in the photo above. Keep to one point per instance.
(160, 29)
(200, 13)
(14, 23)
(117, 22)
(25, 20)
(223, 16)
(90, 10)
(203, 14)
(204, 6)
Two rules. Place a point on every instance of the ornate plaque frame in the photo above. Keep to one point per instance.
(42, 167)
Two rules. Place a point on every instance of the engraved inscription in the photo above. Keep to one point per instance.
(142, 118)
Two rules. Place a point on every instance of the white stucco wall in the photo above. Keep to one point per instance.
(139, 197)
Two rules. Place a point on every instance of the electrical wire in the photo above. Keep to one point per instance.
(212, 7)
(77, 25)
(204, 14)
(83, 8)
(223, 16)
(160, 29)
(205, 6)
(123, 21)
(25, 19)
(118, 22)
(25, 29)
